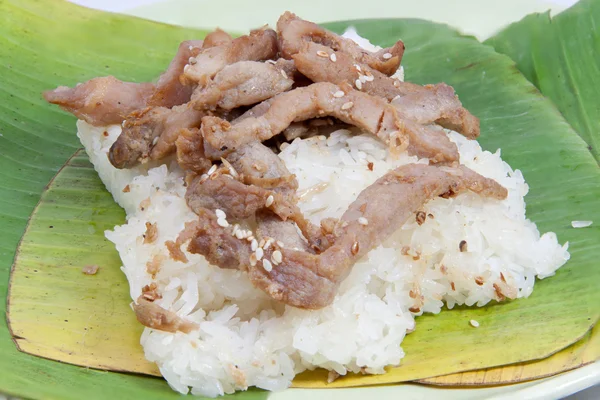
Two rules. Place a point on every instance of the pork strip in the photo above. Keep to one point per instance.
(190, 151)
(169, 90)
(238, 200)
(244, 83)
(370, 113)
(218, 37)
(101, 101)
(310, 281)
(151, 133)
(295, 32)
(257, 46)
(423, 104)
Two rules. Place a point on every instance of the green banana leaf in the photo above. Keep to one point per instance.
(46, 44)
(561, 57)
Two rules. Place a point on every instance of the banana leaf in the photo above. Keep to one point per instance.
(561, 57)
(45, 44)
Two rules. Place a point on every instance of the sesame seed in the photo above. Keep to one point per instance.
(259, 253)
(357, 67)
(190, 48)
(362, 78)
(474, 323)
(369, 78)
(283, 74)
(270, 62)
(254, 245)
(339, 94)
(387, 56)
(236, 227)
(269, 201)
(250, 238)
(212, 170)
(355, 248)
(396, 83)
(363, 221)
(253, 259)
(187, 66)
(261, 243)
(322, 53)
(222, 222)
(333, 57)
(280, 244)
(220, 213)
(267, 265)
(154, 141)
(203, 178)
(358, 84)
(347, 106)
(268, 243)
(277, 257)
(239, 234)
(232, 170)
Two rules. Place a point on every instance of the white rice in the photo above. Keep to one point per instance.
(245, 339)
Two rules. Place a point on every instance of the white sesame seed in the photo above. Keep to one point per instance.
(369, 78)
(268, 243)
(253, 259)
(357, 67)
(154, 141)
(267, 265)
(269, 201)
(581, 224)
(339, 94)
(387, 56)
(363, 221)
(222, 222)
(232, 170)
(277, 257)
(333, 57)
(212, 170)
(239, 234)
(236, 227)
(190, 48)
(259, 253)
(261, 243)
(322, 53)
(396, 83)
(474, 323)
(250, 238)
(283, 74)
(347, 106)
(254, 245)
(362, 78)
(280, 244)
(187, 66)
(220, 213)
(358, 84)
(270, 62)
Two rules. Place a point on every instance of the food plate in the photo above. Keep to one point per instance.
(291, 392)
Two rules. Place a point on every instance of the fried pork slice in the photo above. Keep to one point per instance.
(422, 104)
(218, 37)
(259, 45)
(101, 101)
(190, 151)
(258, 165)
(303, 279)
(169, 90)
(238, 200)
(150, 133)
(154, 316)
(370, 113)
(244, 83)
(310, 281)
(294, 33)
